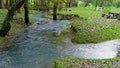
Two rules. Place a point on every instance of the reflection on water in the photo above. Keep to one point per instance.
(37, 47)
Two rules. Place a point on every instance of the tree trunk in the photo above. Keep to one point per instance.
(118, 4)
(11, 2)
(101, 5)
(55, 12)
(70, 3)
(7, 4)
(1, 4)
(26, 12)
(86, 4)
(6, 24)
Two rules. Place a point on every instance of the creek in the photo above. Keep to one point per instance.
(40, 44)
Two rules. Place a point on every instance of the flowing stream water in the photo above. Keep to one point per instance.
(37, 46)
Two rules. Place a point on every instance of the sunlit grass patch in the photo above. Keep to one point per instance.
(95, 30)
(83, 11)
(89, 11)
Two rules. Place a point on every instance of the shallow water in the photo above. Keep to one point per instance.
(37, 47)
(104, 50)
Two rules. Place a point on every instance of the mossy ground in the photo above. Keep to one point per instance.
(16, 25)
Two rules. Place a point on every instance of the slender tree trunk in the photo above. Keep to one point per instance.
(6, 24)
(1, 4)
(70, 3)
(7, 3)
(86, 4)
(11, 2)
(118, 4)
(55, 12)
(26, 12)
(96, 5)
(101, 5)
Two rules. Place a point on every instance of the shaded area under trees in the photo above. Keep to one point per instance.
(11, 12)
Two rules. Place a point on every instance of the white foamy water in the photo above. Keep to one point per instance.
(108, 49)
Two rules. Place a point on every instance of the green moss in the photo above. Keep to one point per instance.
(65, 31)
(33, 11)
(3, 13)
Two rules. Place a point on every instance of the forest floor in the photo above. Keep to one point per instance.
(16, 25)
(92, 29)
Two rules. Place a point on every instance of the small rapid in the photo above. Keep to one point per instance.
(37, 46)
(104, 50)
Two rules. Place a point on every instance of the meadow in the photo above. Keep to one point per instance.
(93, 28)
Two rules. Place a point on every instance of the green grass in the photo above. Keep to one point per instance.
(114, 9)
(95, 30)
(92, 29)
(33, 11)
(89, 11)
(3, 13)
(87, 63)
(83, 11)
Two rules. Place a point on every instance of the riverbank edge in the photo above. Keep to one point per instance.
(16, 30)
(90, 63)
(87, 63)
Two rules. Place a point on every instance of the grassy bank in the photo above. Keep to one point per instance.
(87, 63)
(16, 25)
(89, 11)
(83, 11)
(94, 28)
